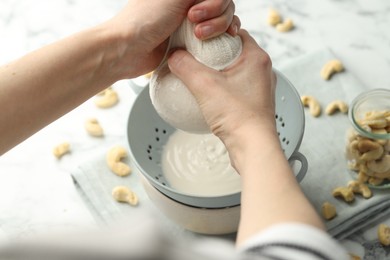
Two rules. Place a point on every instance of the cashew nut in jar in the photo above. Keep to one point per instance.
(375, 152)
(380, 166)
(375, 181)
(113, 159)
(368, 155)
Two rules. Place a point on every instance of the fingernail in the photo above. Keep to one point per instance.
(206, 30)
(235, 29)
(199, 15)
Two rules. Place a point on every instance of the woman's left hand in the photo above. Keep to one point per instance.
(147, 25)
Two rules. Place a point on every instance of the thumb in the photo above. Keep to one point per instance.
(193, 73)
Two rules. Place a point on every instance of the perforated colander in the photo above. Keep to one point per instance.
(147, 134)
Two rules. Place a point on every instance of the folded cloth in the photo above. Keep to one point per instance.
(324, 143)
(95, 182)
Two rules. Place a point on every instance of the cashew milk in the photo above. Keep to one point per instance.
(199, 165)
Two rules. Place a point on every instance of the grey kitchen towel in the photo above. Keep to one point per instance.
(324, 143)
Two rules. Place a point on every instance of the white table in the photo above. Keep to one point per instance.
(37, 195)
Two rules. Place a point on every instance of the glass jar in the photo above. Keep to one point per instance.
(368, 142)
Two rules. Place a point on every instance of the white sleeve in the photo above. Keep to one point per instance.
(143, 238)
(294, 241)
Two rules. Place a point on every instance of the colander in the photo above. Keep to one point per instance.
(147, 133)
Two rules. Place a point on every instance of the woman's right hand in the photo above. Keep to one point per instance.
(238, 103)
(238, 97)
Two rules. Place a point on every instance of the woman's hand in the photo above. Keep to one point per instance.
(238, 96)
(146, 26)
(238, 103)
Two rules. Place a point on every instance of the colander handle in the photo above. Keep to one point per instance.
(297, 156)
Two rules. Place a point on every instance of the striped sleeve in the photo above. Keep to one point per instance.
(294, 241)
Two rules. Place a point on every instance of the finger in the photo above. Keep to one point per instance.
(208, 9)
(217, 25)
(234, 26)
(194, 74)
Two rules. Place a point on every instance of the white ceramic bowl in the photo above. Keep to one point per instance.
(219, 221)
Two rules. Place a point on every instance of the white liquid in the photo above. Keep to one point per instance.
(199, 165)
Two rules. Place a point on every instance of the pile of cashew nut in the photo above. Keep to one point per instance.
(275, 19)
(370, 158)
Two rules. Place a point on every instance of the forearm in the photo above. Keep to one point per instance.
(45, 84)
(270, 193)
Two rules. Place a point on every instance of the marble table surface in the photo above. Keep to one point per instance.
(36, 194)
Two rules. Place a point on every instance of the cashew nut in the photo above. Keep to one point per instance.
(345, 193)
(375, 181)
(370, 150)
(372, 115)
(387, 146)
(380, 166)
(372, 155)
(274, 17)
(353, 152)
(336, 105)
(353, 165)
(107, 98)
(381, 175)
(93, 127)
(354, 257)
(382, 142)
(61, 149)
(374, 123)
(366, 145)
(313, 104)
(352, 135)
(360, 188)
(285, 26)
(113, 159)
(362, 177)
(384, 234)
(124, 194)
(330, 68)
(328, 210)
